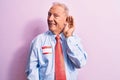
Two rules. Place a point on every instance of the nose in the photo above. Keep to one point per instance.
(50, 18)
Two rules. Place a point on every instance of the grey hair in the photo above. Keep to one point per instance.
(62, 5)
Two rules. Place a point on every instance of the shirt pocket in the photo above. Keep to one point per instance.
(47, 53)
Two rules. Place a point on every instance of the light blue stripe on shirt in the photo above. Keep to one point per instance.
(41, 66)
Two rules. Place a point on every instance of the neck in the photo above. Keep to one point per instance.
(56, 33)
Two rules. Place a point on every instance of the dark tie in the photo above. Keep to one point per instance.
(59, 61)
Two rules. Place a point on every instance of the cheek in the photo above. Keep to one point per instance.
(61, 22)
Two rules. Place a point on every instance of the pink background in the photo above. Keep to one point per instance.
(97, 23)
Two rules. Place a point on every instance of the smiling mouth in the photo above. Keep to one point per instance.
(51, 24)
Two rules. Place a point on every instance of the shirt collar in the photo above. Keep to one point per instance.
(52, 34)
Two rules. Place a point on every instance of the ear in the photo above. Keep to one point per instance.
(66, 18)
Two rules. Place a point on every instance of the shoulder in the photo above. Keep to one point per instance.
(74, 36)
(40, 38)
(74, 39)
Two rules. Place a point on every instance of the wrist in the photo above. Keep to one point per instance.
(67, 36)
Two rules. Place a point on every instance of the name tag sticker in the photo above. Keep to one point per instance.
(46, 49)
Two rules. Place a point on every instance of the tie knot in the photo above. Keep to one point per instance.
(57, 37)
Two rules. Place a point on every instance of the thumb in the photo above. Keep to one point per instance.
(66, 28)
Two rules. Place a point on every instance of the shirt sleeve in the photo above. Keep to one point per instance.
(32, 70)
(75, 52)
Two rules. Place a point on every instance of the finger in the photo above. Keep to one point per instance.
(72, 20)
(71, 30)
(66, 28)
(69, 18)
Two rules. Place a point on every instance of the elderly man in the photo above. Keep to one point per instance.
(56, 54)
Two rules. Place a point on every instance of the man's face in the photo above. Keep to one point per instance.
(56, 19)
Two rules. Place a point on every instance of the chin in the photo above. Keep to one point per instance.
(52, 28)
